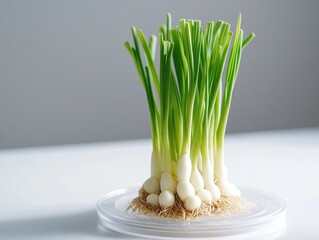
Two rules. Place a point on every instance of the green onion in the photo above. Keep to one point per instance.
(189, 108)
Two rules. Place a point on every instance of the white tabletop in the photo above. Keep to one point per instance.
(51, 192)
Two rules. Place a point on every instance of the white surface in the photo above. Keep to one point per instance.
(51, 192)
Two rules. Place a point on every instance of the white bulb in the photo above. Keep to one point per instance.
(214, 190)
(228, 188)
(185, 189)
(207, 172)
(151, 185)
(192, 202)
(152, 199)
(221, 172)
(197, 180)
(204, 195)
(168, 182)
(166, 199)
(184, 167)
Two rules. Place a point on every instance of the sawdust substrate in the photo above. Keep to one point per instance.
(226, 205)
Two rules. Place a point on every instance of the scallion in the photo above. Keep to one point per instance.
(189, 104)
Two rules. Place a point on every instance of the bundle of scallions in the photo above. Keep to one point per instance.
(189, 106)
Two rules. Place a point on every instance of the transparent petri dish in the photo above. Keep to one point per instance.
(265, 220)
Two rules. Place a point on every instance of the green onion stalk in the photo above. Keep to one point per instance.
(189, 99)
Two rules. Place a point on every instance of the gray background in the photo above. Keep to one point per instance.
(65, 76)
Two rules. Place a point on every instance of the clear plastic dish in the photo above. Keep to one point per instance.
(266, 219)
